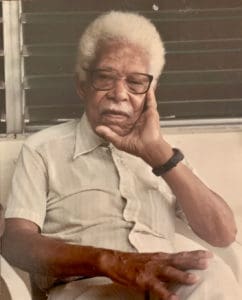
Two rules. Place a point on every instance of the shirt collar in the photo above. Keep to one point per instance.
(86, 140)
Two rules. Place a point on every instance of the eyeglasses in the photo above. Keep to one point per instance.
(105, 79)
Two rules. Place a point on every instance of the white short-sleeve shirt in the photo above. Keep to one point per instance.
(78, 188)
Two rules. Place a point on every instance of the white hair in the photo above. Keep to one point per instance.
(126, 26)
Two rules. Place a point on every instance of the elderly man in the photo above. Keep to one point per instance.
(92, 206)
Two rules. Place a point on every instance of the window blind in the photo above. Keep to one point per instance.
(202, 77)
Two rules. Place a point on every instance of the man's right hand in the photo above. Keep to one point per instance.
(147, 272)
(155, 272)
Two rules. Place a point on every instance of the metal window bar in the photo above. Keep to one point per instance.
(12, 66)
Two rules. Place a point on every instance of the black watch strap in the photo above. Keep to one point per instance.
(171, 163)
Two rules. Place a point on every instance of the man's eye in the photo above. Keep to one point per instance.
(135, 82)
(104, 76)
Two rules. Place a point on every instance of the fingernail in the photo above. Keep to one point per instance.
(173, 297)
(193, 277)
(203, 262)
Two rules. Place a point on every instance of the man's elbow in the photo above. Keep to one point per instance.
(224, 239)
(218, 236)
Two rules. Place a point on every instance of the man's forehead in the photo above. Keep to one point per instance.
(121, 54)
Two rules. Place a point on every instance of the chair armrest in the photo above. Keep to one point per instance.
(16, 286)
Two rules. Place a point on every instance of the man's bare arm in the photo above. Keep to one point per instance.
(26, 248)
(207, 213)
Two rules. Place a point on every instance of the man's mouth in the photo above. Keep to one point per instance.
(118, 114)
(118, 120)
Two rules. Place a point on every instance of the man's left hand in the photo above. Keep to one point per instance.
(145, 139)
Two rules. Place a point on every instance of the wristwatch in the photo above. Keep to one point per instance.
(171, 163)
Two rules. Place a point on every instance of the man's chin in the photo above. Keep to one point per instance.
(120, 130)
(121, 125)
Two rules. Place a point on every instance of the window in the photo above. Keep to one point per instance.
(202, 78)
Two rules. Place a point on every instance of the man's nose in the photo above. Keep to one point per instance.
(119, 91)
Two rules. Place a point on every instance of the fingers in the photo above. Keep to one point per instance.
(173, 275)
(191, 260)
(159, 288)
(108, 134)
(159, 272)
(165, 275)
(150, 99)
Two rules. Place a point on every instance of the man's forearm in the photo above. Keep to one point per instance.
(38, 254)
(207, 213)
(26, 248)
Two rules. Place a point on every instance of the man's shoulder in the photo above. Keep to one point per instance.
(55, 134)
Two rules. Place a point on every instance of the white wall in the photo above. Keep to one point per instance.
(217, 157)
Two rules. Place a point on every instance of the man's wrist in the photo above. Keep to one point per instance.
(170, 163)
(158, 154)
(107, 259)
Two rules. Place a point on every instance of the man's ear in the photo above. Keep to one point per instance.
(80, 88)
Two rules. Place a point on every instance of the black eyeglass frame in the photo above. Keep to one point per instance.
(92, 71)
